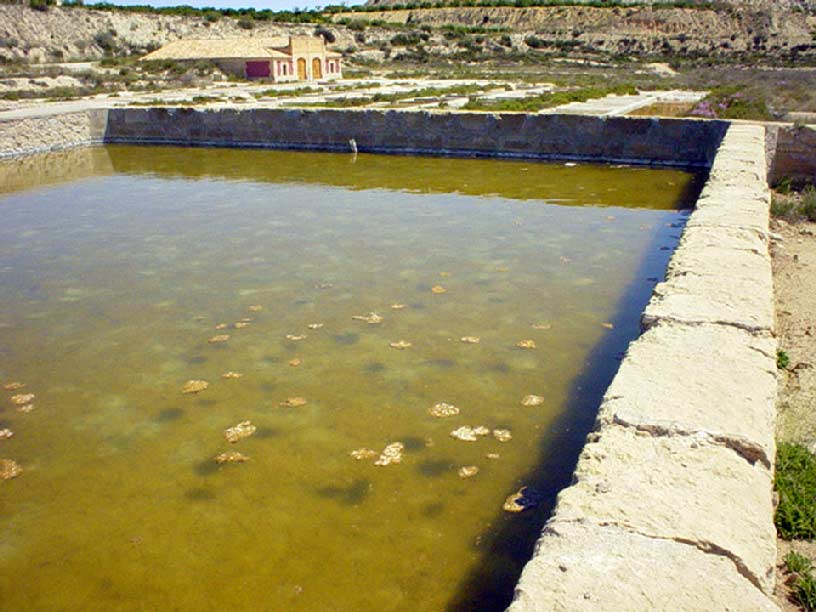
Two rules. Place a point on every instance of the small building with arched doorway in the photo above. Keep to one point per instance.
(293, 58)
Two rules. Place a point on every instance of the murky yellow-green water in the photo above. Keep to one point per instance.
(118, 263)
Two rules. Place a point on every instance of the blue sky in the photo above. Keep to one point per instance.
(276, 5)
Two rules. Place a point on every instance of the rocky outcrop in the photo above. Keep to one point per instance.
(71, 33)
(644, 30)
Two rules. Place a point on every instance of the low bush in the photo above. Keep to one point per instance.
(795, 482)
(804, 584)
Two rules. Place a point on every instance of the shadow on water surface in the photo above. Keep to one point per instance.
(510, 544)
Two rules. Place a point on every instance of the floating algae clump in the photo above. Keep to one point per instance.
(23, 398)
(219, 339)
(315, 325)
(470, 339)
(294, 402)
(9, 469)
(391, 454)
(400, 344)
(523, 499)
(13, 386)
(231, 374)
(231, 457)
(25, 409)
(469, 434)
(532, 400)
(255, 308)
(194, 386)
(397, 306)
(295, 362)
(438, 289)
(242, 430)
(372, 318)
(363, 453)
(441, 410)
(5, 434)
(467, 471)
(295, 338)
(526, 344)
(502, 435)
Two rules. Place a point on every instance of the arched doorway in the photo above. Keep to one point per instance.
(317, 69)
(301, 63)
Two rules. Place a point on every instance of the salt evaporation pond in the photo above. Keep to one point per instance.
(117, 264)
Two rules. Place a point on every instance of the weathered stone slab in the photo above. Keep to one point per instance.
(735, 217)
(694, 256)
(721, 382)
(744, 302)
(736, 238)
(582, 567)
(684, 488)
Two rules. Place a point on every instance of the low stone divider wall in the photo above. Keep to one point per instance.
(579, 137)
(671, 503)
(51, 132)
(792, 153)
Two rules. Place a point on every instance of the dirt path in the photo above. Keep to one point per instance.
(794, 269)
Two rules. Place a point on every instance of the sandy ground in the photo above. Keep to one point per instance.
(794, 268)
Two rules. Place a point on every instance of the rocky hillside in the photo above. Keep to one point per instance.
(78, 33)
(635, 30)
(460, 33)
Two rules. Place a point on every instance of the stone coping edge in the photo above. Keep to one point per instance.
(671, 504)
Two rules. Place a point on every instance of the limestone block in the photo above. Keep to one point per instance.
(683, 488)
(727, 259)
(734, 238)
(721, 381)
(745, 302)
(581, 567)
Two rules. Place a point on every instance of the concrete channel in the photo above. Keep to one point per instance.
(671, 503)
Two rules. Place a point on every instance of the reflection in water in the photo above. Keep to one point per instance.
(111, 286)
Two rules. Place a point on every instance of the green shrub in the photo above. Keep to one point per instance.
(795, 482)
(246, 24)
(782, 208)
(106, 41)
(782, 360)
(808, 204)
(804, 585)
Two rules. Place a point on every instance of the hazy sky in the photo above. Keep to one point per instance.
(277, 5)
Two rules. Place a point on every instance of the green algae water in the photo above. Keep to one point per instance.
(118, 265)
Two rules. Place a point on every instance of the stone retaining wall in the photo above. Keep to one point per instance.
(793, 153)
(671, 502)
(51, 132)
(618, 139)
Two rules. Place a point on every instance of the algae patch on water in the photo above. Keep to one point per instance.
(170, 308)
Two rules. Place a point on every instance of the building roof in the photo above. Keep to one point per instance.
(226, 48)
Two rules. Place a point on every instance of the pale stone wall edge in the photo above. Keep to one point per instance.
(683, 447)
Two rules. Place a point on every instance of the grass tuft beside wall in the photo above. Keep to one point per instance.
(795, 482)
